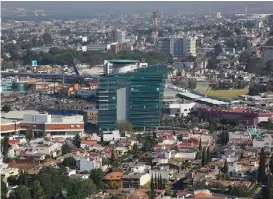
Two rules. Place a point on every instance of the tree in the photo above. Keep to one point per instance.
(101, 139)
(113, 160)
(53, 181)
(21, 192)
(218, 49)
(77, 141)
(80, 189)
(65, 32)
(268, 189)
(135, 149)
(147, 146)
(29, 134)
(152, 187)
(65, 149)
(124, 126)
(168, 190)
(180, 138)
(271, 164)
(225, 168)
(37, 190)
(200, 145)
(47, 38)
(6, 108)
(261, 178)
(212, 63)
(253, 90)
(269, 66)
(203, 161)
(69, 162)
(160, 182)
(192, 83)
(4, 190)
(5, 146)
(156, 182)
(25, 179)
(97, 175)
(208, 158)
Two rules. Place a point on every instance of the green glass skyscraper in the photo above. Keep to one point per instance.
(131, 92)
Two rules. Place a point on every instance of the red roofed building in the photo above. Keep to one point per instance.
(14, 141)
(114, 179)
(138, 194)
(242, 115)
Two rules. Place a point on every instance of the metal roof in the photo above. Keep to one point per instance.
(18, 115)
(190, 95)
(212, 101)
(122, 61)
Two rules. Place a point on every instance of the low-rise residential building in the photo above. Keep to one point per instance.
(114, 179)
(135, 180)
(111, 135)
(89, 163)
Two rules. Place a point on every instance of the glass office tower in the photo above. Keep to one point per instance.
(135, 96)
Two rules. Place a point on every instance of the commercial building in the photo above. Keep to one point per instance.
(40, 123)
(180, 109)
(178, 47)
(267, 53)
(130, 91)
(218, 15)
(270, 20)
(242, 115)
(115, 47)
(120, 36)
(163, 45)
(101, 47)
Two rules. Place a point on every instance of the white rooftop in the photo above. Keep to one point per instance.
(17, 115)
(213, 101)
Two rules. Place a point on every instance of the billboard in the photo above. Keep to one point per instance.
(92, 116)
(34, 63)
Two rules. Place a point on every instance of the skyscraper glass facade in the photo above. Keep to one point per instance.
(135, 96)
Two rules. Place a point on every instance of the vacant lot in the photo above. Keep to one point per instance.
(227, 94)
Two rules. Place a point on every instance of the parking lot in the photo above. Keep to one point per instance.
(41, 100)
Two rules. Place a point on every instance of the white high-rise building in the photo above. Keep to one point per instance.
(189, 45)
(177, 46)
(120, 36)
(218, 15)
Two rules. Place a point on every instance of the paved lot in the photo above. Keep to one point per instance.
(36, 101)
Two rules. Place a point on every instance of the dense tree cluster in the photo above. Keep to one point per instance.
(156, 183)
(64, 56)
(51, 183)
(124, 126)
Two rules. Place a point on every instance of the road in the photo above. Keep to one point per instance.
(51, 76)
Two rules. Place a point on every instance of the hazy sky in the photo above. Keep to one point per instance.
(89, 8)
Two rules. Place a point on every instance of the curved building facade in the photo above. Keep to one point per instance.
(135, 96)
